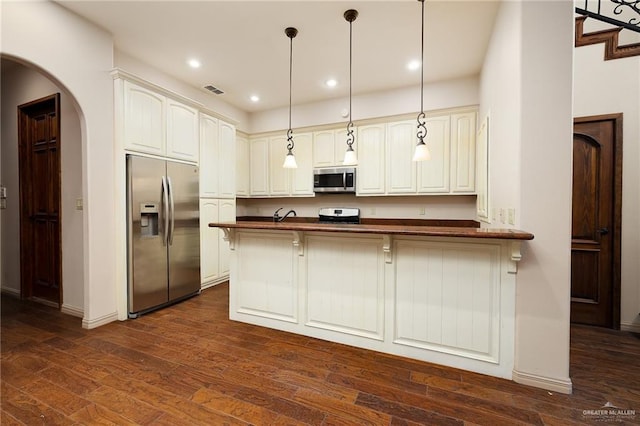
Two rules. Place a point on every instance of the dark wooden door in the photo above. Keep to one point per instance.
(39, 151)
(595, 257)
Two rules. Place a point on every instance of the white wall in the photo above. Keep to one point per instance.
(78, 56)
(526, 89)
(440, 95)
(20, 85)
(199, 95)
(605, 87)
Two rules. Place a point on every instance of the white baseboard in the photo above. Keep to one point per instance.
(10, 291)
(212, 283)
(97, 322)
(629, 326)
(555, 385)
(72, 310)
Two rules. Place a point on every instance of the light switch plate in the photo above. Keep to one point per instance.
(79, 204)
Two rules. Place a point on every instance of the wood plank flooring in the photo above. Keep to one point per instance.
(190, 365)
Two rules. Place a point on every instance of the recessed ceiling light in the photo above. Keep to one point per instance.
(254, 98)
(194, 63)
(331, 82)
(414, 65)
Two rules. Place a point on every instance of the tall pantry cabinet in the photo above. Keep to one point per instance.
(217, 196)
(152, 121)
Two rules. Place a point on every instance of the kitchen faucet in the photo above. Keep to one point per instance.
(278, 218)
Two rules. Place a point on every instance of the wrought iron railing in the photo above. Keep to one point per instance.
(621, 13)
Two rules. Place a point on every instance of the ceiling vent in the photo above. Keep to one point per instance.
(213, 89)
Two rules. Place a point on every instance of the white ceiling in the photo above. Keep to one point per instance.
(244, 51)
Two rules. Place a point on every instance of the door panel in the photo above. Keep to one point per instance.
(147, 250)
(184, 249)
(39, 158)
(593, 282)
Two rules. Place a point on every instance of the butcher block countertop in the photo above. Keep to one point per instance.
(426, 228)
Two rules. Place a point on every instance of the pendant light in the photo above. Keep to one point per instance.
(422, 152)
(350, 158)
(290, 159)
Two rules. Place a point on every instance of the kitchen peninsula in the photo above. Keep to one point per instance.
(441, 294)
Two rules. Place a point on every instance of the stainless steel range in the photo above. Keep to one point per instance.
(339, 215)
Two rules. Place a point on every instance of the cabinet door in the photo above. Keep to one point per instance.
(401, 170)
(463, 153)
(433, 175)
(340, 145)
(227, 160)
(209, 149)
(324, 148)
(226, 213)
(182, 131)
(301, 179)
(242, 167)
(259, 166)
(371, 154)
(144, 121)
(209, 241)
(278, 175)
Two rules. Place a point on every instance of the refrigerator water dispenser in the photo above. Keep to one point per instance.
(149, 216)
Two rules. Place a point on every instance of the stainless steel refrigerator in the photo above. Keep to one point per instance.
(163, 233)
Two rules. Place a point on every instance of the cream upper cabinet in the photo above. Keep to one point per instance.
(217, 158)
(242, 167)
(329, 147)
(434, 174)
(401, 170)
(209, 151)
(278, 175)
(370, 177)
(291, 182)
(155, 124)
(182, 131)
(259, 167)
(463, 152)
(301, 179)
(144, 119)
(227, 160)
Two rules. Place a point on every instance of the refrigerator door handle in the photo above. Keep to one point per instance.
(165, 211)
(173, 210)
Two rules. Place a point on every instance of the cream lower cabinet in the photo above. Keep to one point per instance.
(445, 300)
(214, 251)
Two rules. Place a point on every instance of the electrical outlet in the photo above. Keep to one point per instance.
(502, 215)
(258, 210)
(422, 211)
(511, 216)
(372, 211)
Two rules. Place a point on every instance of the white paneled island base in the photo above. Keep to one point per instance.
(445, 300)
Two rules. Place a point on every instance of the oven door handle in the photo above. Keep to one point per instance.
(344, 180)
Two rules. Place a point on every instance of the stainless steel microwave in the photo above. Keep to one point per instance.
(339, 179)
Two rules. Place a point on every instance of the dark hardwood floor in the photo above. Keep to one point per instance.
(189, 364)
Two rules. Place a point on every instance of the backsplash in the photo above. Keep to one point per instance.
(413, 207)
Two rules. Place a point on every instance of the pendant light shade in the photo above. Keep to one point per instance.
(290, 159)
(350, 157)
(422, 151)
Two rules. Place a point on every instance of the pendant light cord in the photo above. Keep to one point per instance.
(350, 15)
(291, 34)
(422, 128)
